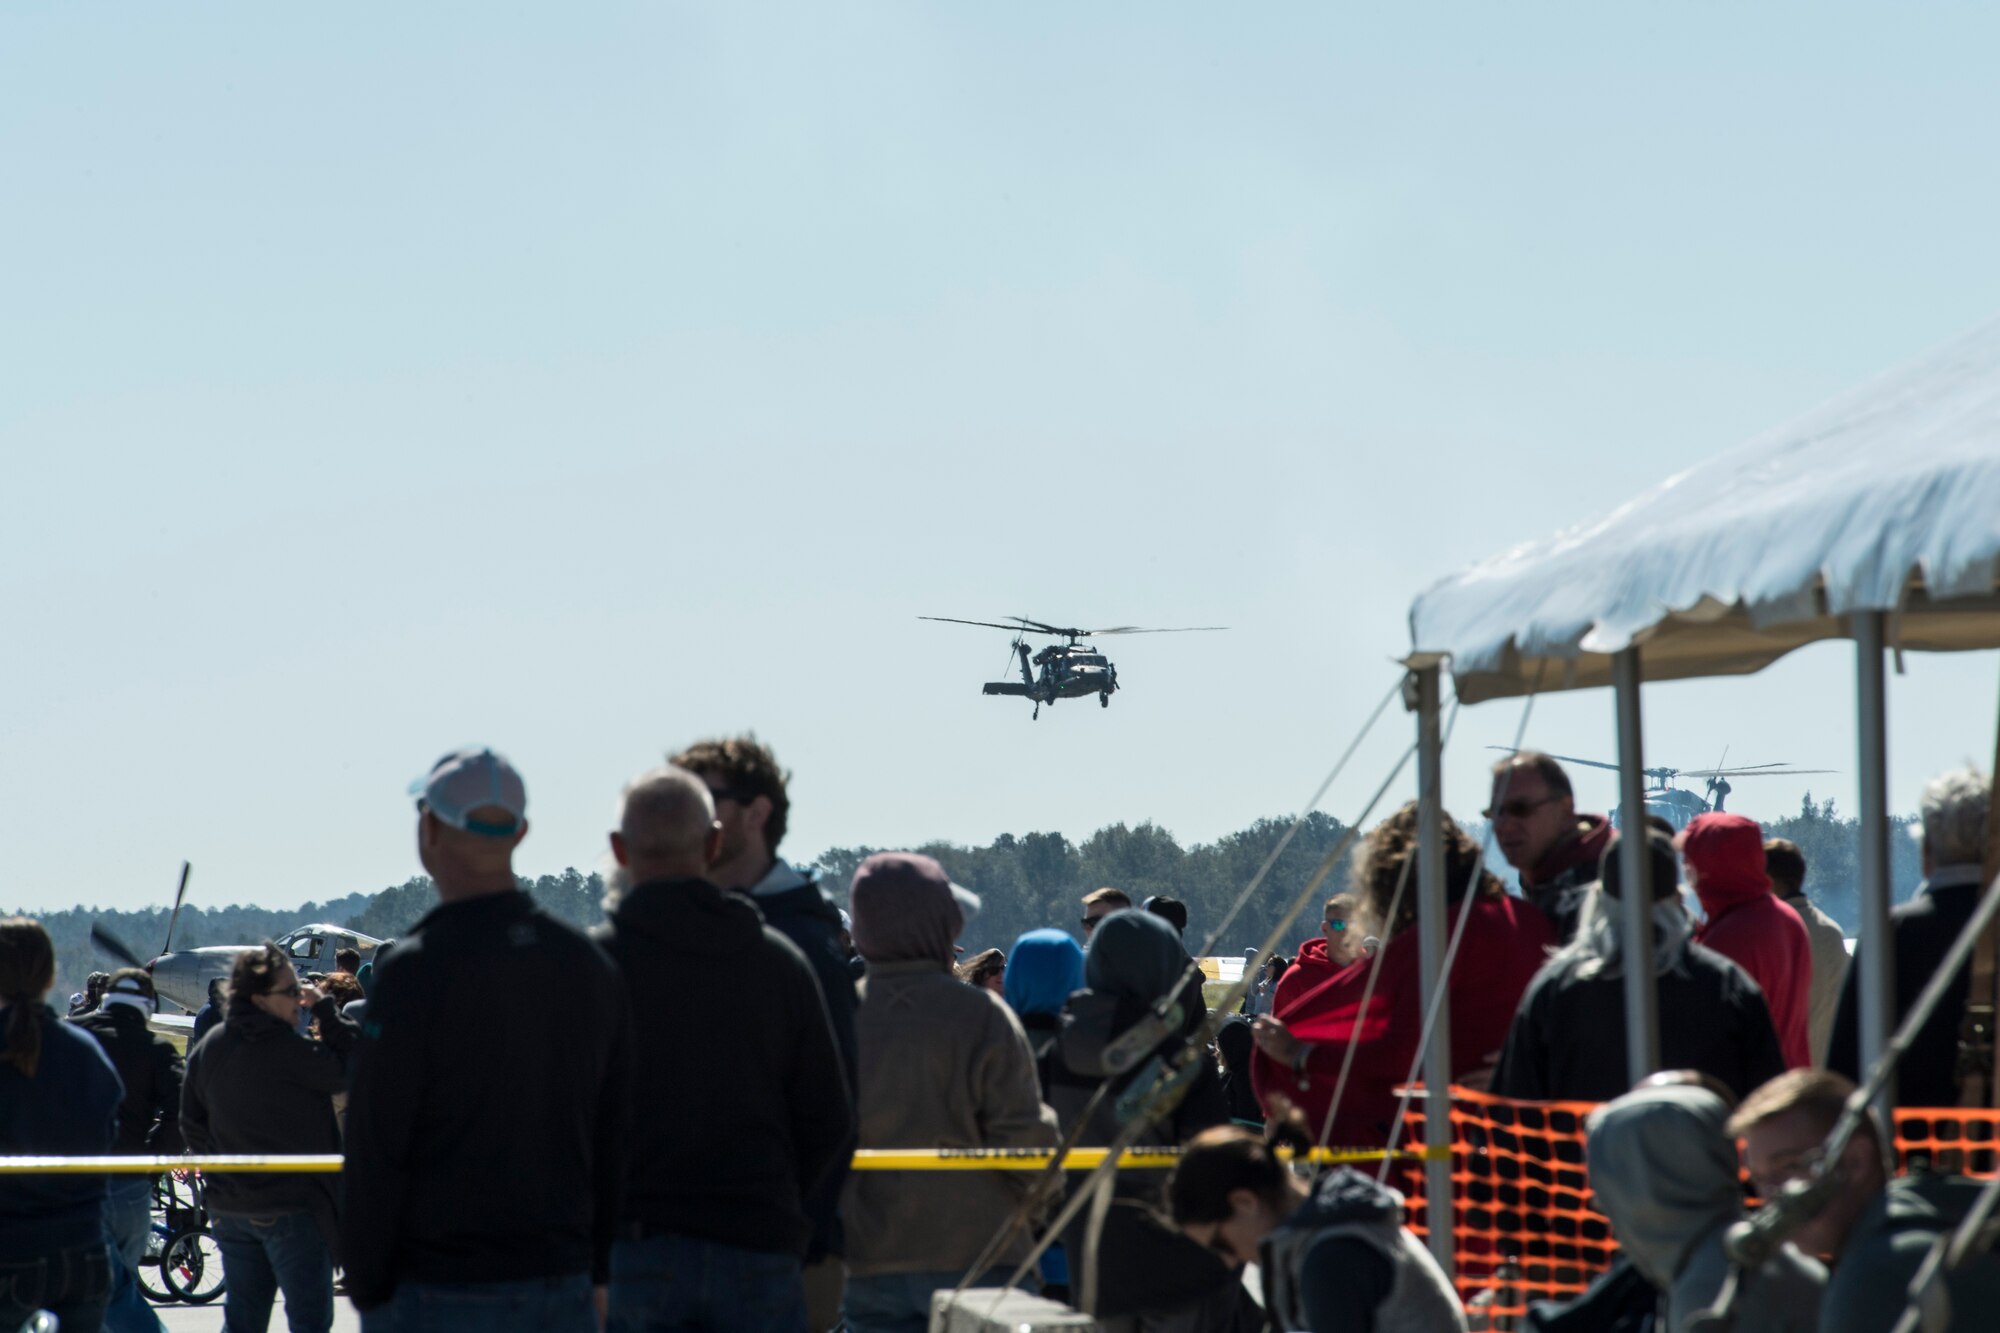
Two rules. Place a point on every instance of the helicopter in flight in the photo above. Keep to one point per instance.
(1678, 805)
(1068, 670)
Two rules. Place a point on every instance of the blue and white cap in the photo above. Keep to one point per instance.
(474, 779)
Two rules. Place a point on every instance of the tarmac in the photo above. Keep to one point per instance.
(208, 1318)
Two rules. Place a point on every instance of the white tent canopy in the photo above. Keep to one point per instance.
(1885, 499)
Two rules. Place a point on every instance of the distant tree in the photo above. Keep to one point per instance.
(1832, 848)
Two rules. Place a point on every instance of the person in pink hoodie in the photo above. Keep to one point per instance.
(1723, 856)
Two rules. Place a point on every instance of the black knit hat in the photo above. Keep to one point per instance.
(1666, 875)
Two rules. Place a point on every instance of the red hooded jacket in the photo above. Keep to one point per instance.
(1505, 943)
(1749, 925)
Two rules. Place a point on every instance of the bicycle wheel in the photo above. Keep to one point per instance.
(153, 1283)
(192, 1266)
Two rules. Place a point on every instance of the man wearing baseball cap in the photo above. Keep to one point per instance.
(485, 1130)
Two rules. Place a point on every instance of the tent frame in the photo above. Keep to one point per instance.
(1875, 961)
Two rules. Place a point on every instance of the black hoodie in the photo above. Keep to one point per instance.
(740, 1108)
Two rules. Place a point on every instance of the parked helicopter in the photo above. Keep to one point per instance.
(181, 976)
(1677, 805)
(1067, 670)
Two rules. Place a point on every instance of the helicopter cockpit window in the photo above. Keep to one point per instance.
(305, 947)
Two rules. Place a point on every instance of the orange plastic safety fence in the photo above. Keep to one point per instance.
(1524, 1226)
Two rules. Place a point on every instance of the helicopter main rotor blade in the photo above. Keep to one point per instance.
(1044, 628)
(1760, 772)
(1569, 759)
(1134, 629)
(989, 624)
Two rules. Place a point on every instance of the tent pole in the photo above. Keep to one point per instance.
(1433, 932)
(1642, 1027)
(1877, 958)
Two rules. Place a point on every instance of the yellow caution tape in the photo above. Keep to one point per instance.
(866, 1159)
(147, 1166)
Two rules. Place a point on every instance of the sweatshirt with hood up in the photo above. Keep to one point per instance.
(737, 1164)
(1664, 1170)
(1749, 926)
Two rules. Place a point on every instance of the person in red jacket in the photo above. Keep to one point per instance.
(1723, 858)
(1318, 1014)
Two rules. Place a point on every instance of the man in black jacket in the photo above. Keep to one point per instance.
(714, 1225)
(148, 1124)
(1953, 810)
(485, 1130)
(753, 805)
(258, 1085)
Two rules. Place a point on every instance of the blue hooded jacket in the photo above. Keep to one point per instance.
(1044, 968)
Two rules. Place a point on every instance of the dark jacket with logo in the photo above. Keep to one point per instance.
(735, 1164)
(486, 1126)
(150, 1120)
(254, 1085)
(68, 1109)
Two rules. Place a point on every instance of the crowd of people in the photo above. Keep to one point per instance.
(652, 1126)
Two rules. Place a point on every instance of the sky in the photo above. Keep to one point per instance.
(376, 380)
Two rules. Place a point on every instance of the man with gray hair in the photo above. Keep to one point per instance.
(1953, 811)
(714, 1227)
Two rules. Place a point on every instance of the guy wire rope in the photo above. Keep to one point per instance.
(1038, 1193)
(1751, 1242)
(1196, 1042)
(1439, 1115)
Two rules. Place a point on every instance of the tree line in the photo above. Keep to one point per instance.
(1025, 881)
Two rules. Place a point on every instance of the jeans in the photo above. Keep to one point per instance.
(128, 1225)
(73, 1284)
(678, 1284)
(262, 1256)
(901, 1302)
(533, 1305)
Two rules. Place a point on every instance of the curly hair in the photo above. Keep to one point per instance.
(1380, 858)
(744, 767)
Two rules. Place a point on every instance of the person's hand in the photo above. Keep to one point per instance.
(1274, 1039)
(600, 1304)
(310, 995)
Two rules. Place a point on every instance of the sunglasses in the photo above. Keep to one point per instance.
(1520, 809)
(294, 990)
(721, 794)
(1338, 923)
(1090, 922)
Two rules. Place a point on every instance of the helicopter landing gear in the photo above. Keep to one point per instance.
(1036, 716)
(1104, 699)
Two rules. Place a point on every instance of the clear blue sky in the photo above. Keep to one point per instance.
(376, 379)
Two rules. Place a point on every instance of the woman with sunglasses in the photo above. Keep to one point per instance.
(257, 1084)
(1334, 1255)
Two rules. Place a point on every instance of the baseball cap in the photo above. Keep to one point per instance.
(466, 780)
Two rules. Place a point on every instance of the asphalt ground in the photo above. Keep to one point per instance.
(208, 1318)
